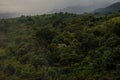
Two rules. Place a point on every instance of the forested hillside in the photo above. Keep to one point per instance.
(60, 46)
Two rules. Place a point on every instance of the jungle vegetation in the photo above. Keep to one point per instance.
(60, 46)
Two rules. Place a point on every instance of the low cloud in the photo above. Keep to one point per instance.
(43, 6)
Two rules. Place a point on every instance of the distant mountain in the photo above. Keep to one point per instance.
(112, 8)
(4, 15)
(78, 9)
(7, 15)
(74, 9)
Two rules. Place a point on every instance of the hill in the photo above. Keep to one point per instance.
(60, 46)
(112, 8)
(6, 15)
(79, 9)
(73, 9)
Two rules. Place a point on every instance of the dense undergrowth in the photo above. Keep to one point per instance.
(60, 46)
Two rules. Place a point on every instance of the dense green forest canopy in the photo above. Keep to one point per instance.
(60, 46)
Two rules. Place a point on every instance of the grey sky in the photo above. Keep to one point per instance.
(42, 6)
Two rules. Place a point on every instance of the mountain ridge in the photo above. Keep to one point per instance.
(111, 8)
(90, 9)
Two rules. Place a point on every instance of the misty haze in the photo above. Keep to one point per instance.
(37, 7)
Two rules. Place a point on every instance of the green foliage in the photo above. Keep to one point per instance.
(60, 46)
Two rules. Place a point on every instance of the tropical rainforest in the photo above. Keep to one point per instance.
(60, 46)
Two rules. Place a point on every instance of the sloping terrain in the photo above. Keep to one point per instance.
(112, 8)
(60, 46)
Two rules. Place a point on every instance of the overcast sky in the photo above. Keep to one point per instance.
(42, 6)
